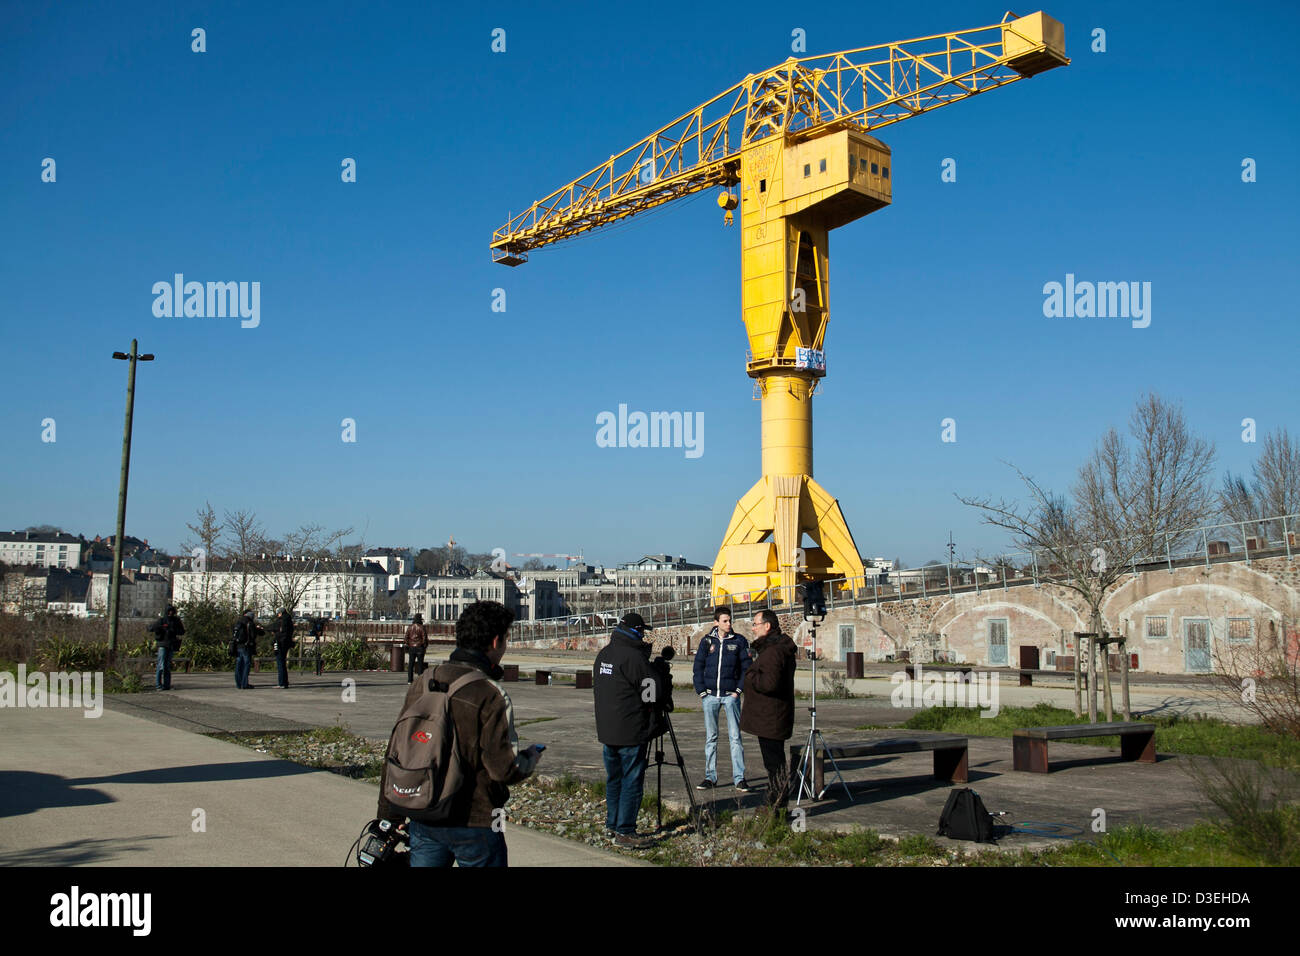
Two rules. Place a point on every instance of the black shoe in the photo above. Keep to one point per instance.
(743, 787)
(705, 784)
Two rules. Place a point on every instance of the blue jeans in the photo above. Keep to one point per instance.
(163, 676)
(712, 704)
(465, 846)
(624, 784)
(243, 664)
(282, 669)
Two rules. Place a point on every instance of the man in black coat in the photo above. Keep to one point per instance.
(283, 644)
(628, 692)
(167, 631)
(768, 708)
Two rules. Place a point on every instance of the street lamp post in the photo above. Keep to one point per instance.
(115, 587)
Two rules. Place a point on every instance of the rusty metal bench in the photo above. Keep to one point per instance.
(950, 755)
(1029, 744)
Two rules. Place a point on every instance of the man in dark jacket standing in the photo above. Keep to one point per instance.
(768, 711)
(474, 834)
(283, 644)
(417, 639)
(627, 690)
(721, 661)
(246, 632)
(167, 631)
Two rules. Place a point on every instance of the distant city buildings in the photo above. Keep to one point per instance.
(22, 548)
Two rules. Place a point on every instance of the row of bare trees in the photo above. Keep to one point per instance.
(1133, 498)
(288, 566)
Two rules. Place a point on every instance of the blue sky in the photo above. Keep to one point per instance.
(376, 295)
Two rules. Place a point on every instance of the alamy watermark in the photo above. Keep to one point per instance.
(950, 689)
(213, 300)
(655, 430)
(59, 689)
(1102, 300)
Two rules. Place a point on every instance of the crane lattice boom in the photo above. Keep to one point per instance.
(864, 89)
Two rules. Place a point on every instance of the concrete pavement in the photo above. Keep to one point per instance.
(123, 791)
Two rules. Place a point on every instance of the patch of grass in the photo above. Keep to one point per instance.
(1206, 736)
(337, 734)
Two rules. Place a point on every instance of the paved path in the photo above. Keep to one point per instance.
(124, 791)
(894, 795)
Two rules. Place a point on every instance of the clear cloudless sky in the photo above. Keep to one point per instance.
(376, 295)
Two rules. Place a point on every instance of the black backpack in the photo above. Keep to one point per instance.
(965, 817)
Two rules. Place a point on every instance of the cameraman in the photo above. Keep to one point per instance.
(630, 694)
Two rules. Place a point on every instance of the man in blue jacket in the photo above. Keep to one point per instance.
(720, 664)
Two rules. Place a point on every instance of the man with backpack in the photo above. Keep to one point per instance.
(167, 631)
(721, 661)
(454, 750)
(244, 644)
(417, 639)
(283, 644)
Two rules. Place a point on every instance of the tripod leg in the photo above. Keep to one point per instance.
(677, 752)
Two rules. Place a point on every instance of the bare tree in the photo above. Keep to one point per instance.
(297, 563)
(207, 532)
(246, 542)
(1129, 501)
(1274, 488)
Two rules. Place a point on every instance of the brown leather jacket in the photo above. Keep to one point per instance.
(489, 745)
(416, 636)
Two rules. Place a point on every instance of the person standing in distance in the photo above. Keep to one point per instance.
(246, 632)
(626, 689)
(283, 644)
(721, 662)
(417, 639)
(768, 711)
(167, 631)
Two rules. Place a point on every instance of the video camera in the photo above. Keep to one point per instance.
(662, 664)
(383, 843)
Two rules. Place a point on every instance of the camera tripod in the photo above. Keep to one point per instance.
(815, 740)
(660, 761)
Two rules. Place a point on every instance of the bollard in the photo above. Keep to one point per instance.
(583, 681)
(511, 672)
(395, 661)
(542, 677)
(853, 668)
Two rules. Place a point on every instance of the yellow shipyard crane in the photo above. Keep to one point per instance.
(795, 140)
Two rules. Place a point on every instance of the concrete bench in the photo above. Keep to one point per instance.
(1029, 744)
(950, 755)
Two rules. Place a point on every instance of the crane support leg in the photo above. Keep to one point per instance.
(763, 548)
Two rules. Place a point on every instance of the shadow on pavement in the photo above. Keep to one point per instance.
(204, 773)
(22, 791)
(78, 853)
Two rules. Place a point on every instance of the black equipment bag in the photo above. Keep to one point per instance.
(965, 817)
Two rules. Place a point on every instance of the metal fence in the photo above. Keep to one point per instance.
(1209, 544)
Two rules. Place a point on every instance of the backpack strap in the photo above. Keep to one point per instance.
(464, 680)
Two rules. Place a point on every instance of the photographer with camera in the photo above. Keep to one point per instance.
(455, 804)
(768, 711)
(631, 695)
(721, 661)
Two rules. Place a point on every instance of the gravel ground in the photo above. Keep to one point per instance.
(576, 810)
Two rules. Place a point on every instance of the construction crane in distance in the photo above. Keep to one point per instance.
(794, 139)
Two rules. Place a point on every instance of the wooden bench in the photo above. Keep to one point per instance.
(1029, 744)
(950, 755)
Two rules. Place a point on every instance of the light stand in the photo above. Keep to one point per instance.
(815, 613)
